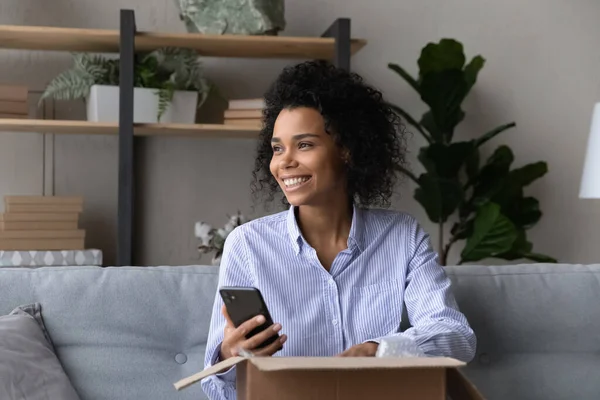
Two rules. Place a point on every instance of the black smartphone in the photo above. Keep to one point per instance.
(244, 303)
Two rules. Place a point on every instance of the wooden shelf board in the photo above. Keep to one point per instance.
(105, 41)
(101, 128)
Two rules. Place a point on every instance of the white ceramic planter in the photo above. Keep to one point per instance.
(103, 106)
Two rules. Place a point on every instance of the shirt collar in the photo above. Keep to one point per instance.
(355, 238)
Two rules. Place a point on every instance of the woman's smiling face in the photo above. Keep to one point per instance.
(306, 162)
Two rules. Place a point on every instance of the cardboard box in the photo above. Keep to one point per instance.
(344, 378)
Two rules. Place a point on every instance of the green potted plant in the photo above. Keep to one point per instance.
(483, 199)
(169, 86)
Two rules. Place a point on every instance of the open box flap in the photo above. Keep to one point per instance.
(345, 363)
(215, 369)
(322, 363)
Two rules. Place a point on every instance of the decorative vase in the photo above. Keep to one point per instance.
(237, 17)
(103, 106)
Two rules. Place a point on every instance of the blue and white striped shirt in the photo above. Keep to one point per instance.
(389, 260)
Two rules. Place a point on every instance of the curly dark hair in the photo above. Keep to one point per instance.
(356, 116)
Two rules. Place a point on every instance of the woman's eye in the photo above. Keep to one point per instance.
(276, 149)
(304, 145)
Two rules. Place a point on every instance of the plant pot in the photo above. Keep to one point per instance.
(103, 105)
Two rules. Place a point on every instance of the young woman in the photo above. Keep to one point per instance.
(333, 269)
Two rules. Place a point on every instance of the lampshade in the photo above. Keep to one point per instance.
(590, 180)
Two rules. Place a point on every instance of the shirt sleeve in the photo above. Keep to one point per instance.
(233, 271)
(438, 327)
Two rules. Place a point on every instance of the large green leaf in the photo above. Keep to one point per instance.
(493, 234)
(522, 249)
(529, 173)
(491, 177)
(512, 187)
(436, 57)
(519, 247)
(541, 258)
(445, 160)
(444, 92)
(524, 212)
(472, 70)
(405, 75)
(489, 135)
(439, 196)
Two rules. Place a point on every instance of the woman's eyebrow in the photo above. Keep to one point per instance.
(295, 137)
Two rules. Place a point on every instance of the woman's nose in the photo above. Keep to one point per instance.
(287, 160)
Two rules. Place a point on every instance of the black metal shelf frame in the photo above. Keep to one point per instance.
(126, 215)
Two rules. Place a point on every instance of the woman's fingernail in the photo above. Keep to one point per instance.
(276, 327)
(260, 319)
(283, 338)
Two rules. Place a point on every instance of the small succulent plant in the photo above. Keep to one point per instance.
(213, 239)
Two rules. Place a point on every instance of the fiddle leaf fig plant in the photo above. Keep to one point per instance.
(484, 200)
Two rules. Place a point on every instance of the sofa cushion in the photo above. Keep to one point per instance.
(121, 332)
(537, 329)
(29, 368)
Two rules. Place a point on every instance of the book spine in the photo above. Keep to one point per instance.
(43, 199)
(37, 225)
(42, 234)
(43, 208)
(244, 122)
(13, 93)
(246, 104)
(39, 217)
(13, 116)
(233, 114)
(14, 107)
(42, 244)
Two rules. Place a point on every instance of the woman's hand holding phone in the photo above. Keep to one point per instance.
(235, 338)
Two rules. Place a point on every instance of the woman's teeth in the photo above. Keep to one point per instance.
(295, 181)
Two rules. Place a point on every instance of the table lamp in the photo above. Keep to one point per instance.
(590, 180)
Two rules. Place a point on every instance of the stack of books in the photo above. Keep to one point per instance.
(13, 102)
(245, 112)
(41, 223)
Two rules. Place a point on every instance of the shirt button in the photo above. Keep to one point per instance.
(334, 322)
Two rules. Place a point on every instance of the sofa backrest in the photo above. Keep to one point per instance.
(131, 332)
(538, 329)
(121, 332)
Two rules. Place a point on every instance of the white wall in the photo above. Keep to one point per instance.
(541, 72)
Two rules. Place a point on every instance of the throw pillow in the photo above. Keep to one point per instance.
(29, 367)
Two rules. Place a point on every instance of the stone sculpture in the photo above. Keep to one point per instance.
(238, 17)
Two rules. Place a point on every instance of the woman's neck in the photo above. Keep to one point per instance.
(325, 225)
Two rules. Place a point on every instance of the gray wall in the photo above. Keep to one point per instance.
(542, 72)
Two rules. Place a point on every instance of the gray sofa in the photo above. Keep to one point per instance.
(131, 332)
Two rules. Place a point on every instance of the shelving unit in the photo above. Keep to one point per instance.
(335, 44)
(99, 128)
(107, 41)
